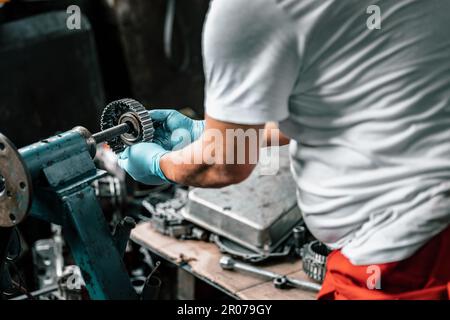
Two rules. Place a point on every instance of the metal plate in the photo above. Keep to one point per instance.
(257, 214)
(15, 185)
(237, 251)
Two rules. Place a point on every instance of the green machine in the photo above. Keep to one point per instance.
(51, 180)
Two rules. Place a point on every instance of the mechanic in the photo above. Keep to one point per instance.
(368, 114)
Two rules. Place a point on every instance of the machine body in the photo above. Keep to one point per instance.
(51, 180)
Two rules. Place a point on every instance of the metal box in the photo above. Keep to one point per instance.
(257, 214)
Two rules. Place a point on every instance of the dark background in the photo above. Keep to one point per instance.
(53, 78)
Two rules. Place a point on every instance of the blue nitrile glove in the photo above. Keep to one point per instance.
(141, 162)
(173, 130)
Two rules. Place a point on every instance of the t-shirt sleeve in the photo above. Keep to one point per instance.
(251, 61)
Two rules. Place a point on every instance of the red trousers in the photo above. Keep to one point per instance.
(424, 276)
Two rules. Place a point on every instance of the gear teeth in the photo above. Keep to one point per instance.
(112, 113)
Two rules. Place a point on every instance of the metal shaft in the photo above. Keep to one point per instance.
(304, 285)
(111, 133)
(229, 263)
(257, 271)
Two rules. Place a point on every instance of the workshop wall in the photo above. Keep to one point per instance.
(163, 59)
(49, 77)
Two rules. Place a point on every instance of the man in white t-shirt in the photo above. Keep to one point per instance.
(362, 89)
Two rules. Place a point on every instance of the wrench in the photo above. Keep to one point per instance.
(280, 281)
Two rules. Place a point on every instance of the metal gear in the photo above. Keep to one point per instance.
(314, 260)
(134, 114)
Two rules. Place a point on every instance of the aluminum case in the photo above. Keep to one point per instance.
(258, 213)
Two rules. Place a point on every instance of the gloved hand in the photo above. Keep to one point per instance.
(173, 130)
(141, 162)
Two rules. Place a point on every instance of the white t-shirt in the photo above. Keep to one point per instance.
(368, 110)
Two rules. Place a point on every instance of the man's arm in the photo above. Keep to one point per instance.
(251, 62)
(225, 154)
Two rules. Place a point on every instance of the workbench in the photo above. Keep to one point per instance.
(201, 259)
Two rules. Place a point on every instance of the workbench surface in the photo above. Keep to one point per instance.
(202, 259)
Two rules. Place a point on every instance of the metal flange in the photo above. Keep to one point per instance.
(15, 185)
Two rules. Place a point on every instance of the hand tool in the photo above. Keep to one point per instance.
(280, 281)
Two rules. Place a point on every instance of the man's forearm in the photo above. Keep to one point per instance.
(223, 155)
(183, 167)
